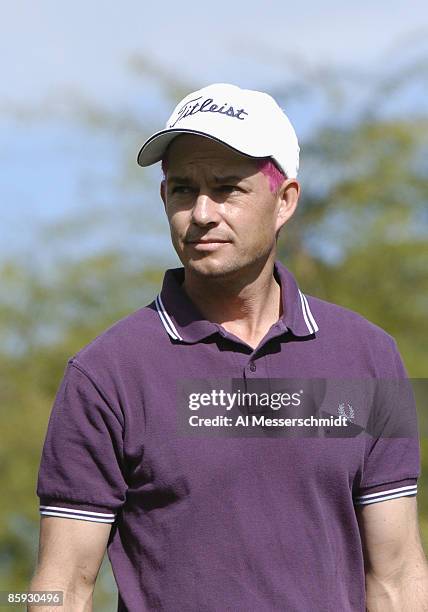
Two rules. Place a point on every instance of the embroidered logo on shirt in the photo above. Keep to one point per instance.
(347, 411)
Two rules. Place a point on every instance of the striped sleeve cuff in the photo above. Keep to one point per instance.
(392, 493)
(76, 513)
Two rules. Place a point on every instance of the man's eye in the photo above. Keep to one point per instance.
(228, 188)
(181, 189)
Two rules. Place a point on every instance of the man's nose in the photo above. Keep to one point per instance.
(205, 210)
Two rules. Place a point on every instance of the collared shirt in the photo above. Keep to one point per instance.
(206, 521)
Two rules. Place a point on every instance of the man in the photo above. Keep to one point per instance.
(227, 522)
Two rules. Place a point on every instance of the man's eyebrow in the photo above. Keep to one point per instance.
(183, 180)
(230, 178)
(180, 180)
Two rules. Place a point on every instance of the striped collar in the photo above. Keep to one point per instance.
(184, 323)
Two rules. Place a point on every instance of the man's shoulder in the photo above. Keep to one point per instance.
(133, 334)
(334, 319)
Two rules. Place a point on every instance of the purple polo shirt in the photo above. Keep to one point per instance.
(221, 523)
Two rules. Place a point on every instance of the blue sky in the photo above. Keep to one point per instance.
(86, 45)
(52, 53)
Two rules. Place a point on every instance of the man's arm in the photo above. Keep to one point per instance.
(70, 555)
(395, 564)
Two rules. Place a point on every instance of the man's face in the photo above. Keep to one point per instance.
(222, 214)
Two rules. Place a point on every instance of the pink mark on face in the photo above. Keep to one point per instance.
(164, 166)
(265, 165)
(275, 175)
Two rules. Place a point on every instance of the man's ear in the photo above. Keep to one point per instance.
(163, 192)
(288, 196)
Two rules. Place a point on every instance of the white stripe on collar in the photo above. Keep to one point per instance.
(166, 319)
(172, 330)
(307, 314)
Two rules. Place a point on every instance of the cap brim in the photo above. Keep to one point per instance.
(154, 148)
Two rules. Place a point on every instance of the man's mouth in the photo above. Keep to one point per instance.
(207, 244)
(207, 241)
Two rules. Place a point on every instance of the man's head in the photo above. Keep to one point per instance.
(230, 158)
(224, 215)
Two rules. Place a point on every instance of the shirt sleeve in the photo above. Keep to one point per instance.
(81, 473)
(392, 462)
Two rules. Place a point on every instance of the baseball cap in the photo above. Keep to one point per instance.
(249, 121)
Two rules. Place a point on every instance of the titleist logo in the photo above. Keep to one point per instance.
(207, 106)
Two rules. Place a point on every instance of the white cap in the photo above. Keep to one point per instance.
(249, 121)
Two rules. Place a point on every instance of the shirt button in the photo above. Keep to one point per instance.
(253, 367)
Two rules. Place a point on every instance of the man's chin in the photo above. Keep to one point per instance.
(210, 267)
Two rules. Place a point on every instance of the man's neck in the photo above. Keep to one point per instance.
(246, 306)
